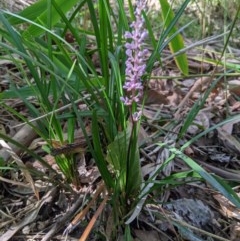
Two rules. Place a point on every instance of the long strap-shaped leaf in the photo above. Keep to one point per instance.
(176, 43)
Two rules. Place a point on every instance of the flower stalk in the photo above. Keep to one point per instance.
(135, 64)
(135, 69)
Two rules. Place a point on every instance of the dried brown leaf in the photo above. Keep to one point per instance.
(228, 209)
(229, 141)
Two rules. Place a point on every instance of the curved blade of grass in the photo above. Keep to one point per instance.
(69, 27)
(223, 189)
(58, 66)
(177, 179)
(192, 140)
(176, 43)
(197, 107)
(17, 41)
(32, 90)
(82, 60)
(31, 12)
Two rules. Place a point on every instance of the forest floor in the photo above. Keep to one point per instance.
(34, 208)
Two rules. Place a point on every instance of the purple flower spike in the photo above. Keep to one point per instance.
(135, 64)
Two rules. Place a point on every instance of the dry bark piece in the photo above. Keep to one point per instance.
(24, 136)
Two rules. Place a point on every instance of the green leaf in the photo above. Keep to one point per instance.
(25, 92)
(98, 152)
(124, 157)
(38, 13)
(176, 43)
(31, 12)
(117, 151)
(134, 175)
